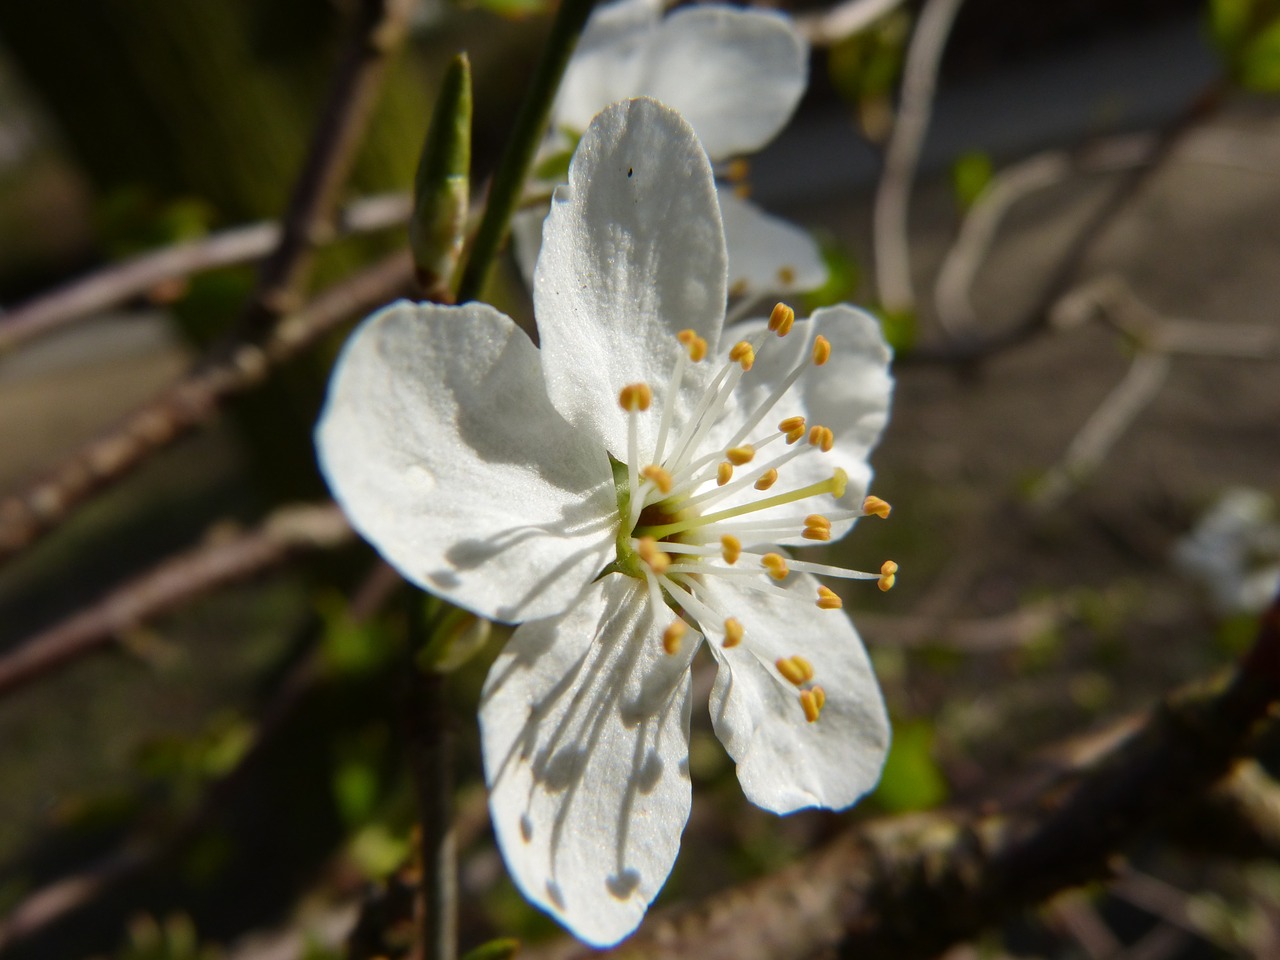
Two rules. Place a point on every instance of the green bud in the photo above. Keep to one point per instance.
(442, 186)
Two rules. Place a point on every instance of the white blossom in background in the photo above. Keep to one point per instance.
(619, 491)
(736, 75)
(1234, 551)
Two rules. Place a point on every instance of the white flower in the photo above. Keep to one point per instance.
(1235, 551)
(736, 75)
(479, 465)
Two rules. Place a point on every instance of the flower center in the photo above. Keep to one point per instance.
(688, 506)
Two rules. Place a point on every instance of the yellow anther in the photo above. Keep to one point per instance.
(672, 636)
(877, 506)
(790, 670)
(742, 190)
(786, 276)
(817, 520)
(658, 561)
(732, 633)
(793, 427)
(822, 438)
(635, 397)
(730, 548)
(796, 434)
(776, 564)
(724, 473)
(740, 455)
(822, 534)
(888, 574)
(660, 476)
(782, 319)
(738, 170)
(696, 345)
(828, 599)
(767, 479)
(739, 287)
(839, 480)
(821, 350)
(811, 702)
(744, 354)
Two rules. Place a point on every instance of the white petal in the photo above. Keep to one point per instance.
(850, 394)
(736, 75)
(438, 440)
(585, 723)
(784, 762)
(767, 254)
(632, 253)
(608, 63)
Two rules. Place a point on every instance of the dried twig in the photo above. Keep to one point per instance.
(173, 582)
(822, 28)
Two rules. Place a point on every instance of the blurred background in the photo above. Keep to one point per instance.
(1084, 460)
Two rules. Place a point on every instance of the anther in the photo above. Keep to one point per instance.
(877, 506)
(730, 548)
(888, 574)
(776, 564)
(812, 702)
(767, 479)
(732, 633)
(822, 438)
(635, 397)
(821, 350)
(696, 345)
(786, 276)
(743, 353)
(738, 170)
(817, 520)
(828, 599)
(660, 476)
(658, 561)
(821, 534)
(724, 473)
(672, 636)
(796, 669)
(793, 427)
(740, 455)
(782, 319)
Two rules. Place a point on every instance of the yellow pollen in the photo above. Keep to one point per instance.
(888, 574)
(767, 479)
(730, 548)
(782, 319)
(738, 170)
(817, 533)
(658, 561)
(839, 480)
(724, 473)
(740, 455)
(811, 702)
(786, 276)
(821, 350)
(822, 438)
(877, 506)
(732, 633)
(696, 345)
(776, 564)
(661, 477)
(828, 599)
(635, 397)
(672, 636)
(744, 354)
(796, 669)
(817, 520)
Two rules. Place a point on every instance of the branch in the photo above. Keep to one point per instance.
(912, 886)
(176, 580)
(119, 282)
(825, 28)
(193, 400)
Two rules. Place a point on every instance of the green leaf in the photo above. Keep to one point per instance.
(1229, 22)
(899, 328)
(970, 175)
(912, 779)
(441, 190)
(1259, 67)
(843, 275)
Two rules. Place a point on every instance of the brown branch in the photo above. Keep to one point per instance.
(912, 886)
(192, 401)
(173, 582)
(121, 281)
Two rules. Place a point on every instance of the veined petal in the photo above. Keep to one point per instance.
(786, 763)
(585, 724)
(438, 440)
(632, 253)
(766, 253)
(736, 75)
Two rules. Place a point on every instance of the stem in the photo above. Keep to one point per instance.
(513, 170)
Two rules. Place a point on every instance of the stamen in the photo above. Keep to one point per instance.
(740, 455)
(733, 632)
(672, 636)
(822, 438)
(661, 478)
(796, 669)
(888, 574)
(821, 350)
(782, 319)
(658, 561)
(877, 506)
(812, 702)
(817, 520)
(828, 599)
(635, 397)
(821, 534)
(724, 473)
(768, 480)
(744, 354)
(730, 548)
(694, 344)
(776, 564)
(792, 425)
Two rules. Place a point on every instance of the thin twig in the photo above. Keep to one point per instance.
(891, 244)
(121, 281)
(171, 583)
(823, 28)
(192, 401)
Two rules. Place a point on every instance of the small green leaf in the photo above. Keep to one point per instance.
(970, 175)
(912, 779)
(899, 328)
(843, 275)
(1259, 67)
(554, 167)
(1229, 22)
(441, 190)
